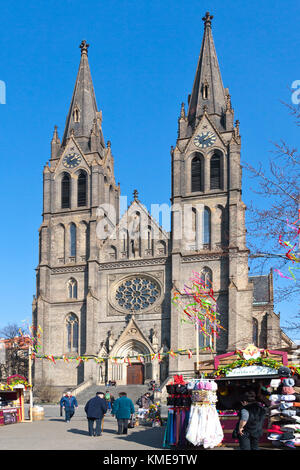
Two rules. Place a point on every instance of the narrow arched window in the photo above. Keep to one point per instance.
(72, 289)
(72, 240)
(76, 115)
(65, 191)
(206, 276)
(206, 226)
(72, 328)
(82, 189)
(196, 176)
(215, 172)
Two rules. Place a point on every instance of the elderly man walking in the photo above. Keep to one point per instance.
(122, 409)
(95, 410)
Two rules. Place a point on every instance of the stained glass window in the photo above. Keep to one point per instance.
(137, 293)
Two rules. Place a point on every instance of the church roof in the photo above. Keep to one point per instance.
(83, 109)
(207, 74)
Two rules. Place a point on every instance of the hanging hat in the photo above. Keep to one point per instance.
(275, 428)
(275, 383)
(288, 382)
(274, 437)
(288, 390)
(287, 436)
(284, 371)
(289, 444)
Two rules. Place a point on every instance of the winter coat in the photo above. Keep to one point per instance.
(123, 408)
(95, 408)
(68, 402)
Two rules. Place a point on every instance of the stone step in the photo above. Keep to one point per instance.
(133, 392)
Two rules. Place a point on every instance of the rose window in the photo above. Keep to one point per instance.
(137, 293)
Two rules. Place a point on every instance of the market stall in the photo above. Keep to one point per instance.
(203, 411)
(235, 372)
(12, 400)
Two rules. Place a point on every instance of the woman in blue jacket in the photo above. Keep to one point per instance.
(69, 403)
(122, 409)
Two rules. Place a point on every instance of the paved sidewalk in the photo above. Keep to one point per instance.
(53, 433)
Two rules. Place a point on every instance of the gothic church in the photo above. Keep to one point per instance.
(111, 295)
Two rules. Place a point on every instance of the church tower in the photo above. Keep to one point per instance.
(78, 177)
(208, 216)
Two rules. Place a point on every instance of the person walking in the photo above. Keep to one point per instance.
(95, 410)
(123, 409)
(250, 425)
(107, 397)
(60, 404)
(68, 402)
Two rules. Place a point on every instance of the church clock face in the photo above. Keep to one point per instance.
(205, 139)
(72, 160)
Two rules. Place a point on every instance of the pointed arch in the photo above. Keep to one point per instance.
(72, 333)
(72, 286)
(73, 239)
(206, 226)
(66, 191)
(206, 275)
(215, 171)
(82, 189)
(197, 169)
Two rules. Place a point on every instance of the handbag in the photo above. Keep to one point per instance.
(131, 423)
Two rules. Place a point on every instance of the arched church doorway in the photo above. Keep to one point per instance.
(135, 371)
(135, 374)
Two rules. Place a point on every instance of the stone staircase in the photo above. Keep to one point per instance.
(133, 392)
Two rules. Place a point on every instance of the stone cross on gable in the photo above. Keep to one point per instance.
(84, 47)
(135, 194)
(207, 19)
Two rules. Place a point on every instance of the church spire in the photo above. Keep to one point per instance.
(83, 108)
(208, 87)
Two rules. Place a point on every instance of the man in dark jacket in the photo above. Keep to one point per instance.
(250, 426)
(95, 410)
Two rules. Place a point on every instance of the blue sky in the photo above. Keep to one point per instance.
(143, 58)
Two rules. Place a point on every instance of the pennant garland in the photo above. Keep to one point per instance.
(125, 359)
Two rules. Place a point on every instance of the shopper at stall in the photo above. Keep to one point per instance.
(95, 410)
(122, 409)
(250, 425)
(69, 403)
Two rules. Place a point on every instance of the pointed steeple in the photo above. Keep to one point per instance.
(83, 109)
(208, 87)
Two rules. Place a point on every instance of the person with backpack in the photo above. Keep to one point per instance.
(107, 398)
(250, 425)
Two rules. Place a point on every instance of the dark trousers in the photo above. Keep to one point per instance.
(248, 442)
(97, 430)
(69, 412)
(122, 426)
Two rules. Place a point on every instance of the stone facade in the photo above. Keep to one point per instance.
(105, 283)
